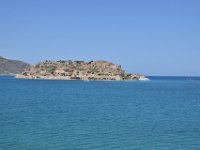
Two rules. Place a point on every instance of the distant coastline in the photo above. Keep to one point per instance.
(12, 67)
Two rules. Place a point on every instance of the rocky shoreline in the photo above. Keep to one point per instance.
(77, 70)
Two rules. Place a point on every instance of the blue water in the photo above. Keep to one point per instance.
(161, 114)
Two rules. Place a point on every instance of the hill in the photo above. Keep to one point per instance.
(9, 67)
(77, 70)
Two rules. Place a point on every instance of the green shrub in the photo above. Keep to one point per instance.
(50, 69)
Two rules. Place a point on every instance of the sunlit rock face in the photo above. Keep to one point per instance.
(77, 70)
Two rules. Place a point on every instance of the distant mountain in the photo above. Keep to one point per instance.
(9, 67)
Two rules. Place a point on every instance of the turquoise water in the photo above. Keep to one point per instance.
(76, 115)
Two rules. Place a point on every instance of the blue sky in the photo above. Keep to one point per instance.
(157, 37)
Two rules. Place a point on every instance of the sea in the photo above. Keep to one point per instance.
(160, 114)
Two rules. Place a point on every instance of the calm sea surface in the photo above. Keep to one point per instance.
(161, 114)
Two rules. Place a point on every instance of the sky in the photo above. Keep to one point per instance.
(157, 37)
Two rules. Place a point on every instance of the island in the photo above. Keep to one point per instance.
(78, 70)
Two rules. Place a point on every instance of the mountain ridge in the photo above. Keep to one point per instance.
(11, 67)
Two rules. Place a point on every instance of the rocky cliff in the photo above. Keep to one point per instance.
(77, 70)
(9, 67)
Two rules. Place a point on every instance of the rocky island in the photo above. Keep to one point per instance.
(77, 70)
